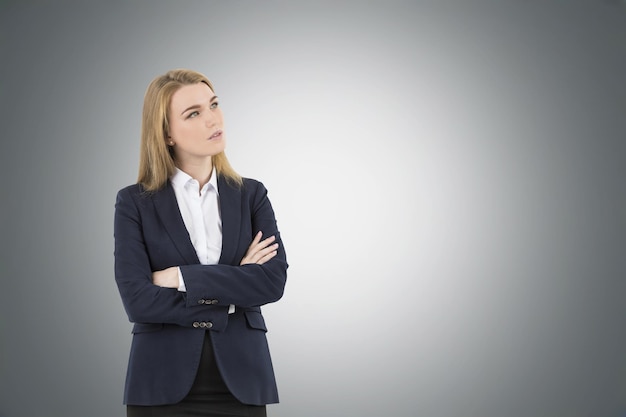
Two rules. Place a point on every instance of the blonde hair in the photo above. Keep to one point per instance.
(156, 160)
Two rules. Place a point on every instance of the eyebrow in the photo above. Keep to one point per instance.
(196, 106)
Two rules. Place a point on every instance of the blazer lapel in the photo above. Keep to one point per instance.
(167, 209)
(230, 209)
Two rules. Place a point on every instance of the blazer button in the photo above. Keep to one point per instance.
(201, 301)
(196, 324)
(214, 301)
(208, 324)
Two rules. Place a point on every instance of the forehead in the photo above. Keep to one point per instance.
(191, 94)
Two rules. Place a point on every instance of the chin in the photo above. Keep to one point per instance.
(218, 149)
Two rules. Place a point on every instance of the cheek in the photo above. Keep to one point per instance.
(174, 130)
(181, 132)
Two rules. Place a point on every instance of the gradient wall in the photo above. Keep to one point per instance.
(448, 176)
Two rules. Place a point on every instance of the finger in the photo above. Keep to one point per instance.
(257, 238)
(258, 249)
(263, 252)
(255, 242)
(267, 257)
(262, 256)
(265, 242)
(252, 250)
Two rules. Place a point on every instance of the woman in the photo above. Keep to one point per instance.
(197, 252)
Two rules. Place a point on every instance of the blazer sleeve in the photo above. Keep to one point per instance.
(143, 301)
(248, 285)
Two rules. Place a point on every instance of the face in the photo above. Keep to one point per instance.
(196, 124)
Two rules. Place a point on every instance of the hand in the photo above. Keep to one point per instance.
(167, 278)
(260, 251)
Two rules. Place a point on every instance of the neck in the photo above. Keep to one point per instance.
(198, 170)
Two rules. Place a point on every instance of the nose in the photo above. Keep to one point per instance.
(210, 118)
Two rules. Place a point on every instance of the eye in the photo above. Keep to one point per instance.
(214, 105)
(192, 114)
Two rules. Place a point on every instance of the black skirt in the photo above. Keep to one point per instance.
(208, 397)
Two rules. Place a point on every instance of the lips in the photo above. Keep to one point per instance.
(217, 134)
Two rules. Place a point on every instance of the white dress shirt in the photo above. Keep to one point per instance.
(201, 215)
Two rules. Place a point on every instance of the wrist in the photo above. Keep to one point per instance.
(180, 282)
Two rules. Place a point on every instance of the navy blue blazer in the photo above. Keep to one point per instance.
(169, 326)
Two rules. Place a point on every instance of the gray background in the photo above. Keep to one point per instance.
(448, 176)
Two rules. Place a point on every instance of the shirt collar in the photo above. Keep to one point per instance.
(180, 178)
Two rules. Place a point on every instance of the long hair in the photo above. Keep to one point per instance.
(156, 160)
